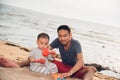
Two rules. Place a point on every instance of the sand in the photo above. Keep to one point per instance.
(19, 54)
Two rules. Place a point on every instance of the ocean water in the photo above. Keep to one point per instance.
(100, 43)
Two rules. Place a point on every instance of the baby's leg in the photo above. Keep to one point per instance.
(40, 69)
(5, 62)
(52, 68)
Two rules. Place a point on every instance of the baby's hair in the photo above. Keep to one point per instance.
(43, 35)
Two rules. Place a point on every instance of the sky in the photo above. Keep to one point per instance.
(99, 11)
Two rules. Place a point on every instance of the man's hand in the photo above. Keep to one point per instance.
(64, 75)
(42, 61)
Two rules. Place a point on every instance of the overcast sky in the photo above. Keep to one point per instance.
(100, 11)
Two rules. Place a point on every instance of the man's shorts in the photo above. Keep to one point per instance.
(63, 68)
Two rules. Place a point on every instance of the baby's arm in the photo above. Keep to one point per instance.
(32, 60)
(53, 54)
(42, 61)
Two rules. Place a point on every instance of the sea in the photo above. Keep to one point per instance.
(100, 43)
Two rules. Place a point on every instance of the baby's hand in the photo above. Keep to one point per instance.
(53, 53)
(42, 61)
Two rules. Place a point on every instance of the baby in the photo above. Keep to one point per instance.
(39, 62)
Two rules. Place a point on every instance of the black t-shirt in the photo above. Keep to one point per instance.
(69, 56)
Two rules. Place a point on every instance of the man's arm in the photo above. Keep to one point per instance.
(78, 65)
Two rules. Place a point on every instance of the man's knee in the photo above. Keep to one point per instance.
(92, 69)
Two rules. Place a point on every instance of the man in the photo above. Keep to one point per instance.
(71, 54)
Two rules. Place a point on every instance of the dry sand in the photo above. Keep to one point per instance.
(20, 54)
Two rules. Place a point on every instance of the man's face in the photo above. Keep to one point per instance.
(64, 37)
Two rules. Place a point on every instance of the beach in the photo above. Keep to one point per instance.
(19, 54)
(100, 43)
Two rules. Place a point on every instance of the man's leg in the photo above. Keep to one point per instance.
(80, 73)
(62, 68)
(85, 73)
(90, 73)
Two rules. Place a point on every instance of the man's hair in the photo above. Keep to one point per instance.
(64, 27)
(43, 35)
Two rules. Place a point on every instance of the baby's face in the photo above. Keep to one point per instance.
(42, 43)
